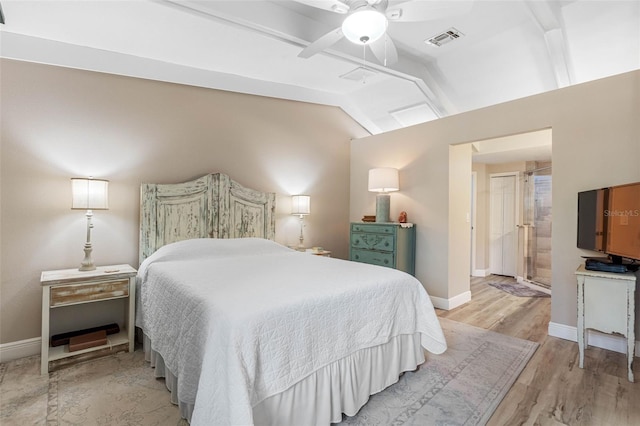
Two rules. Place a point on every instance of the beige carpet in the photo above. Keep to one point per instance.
(462, 386)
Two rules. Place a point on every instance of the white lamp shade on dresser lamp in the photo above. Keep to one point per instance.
(89, 194)
(301, 206)
(383, 180)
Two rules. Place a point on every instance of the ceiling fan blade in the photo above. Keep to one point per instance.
(385, 50)
(322, 43)
(330, 5)
(420, 10)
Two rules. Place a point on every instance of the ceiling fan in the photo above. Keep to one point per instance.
(367, 20)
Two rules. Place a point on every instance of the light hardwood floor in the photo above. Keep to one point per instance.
(552, 390)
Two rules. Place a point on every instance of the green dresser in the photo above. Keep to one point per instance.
(384, 244)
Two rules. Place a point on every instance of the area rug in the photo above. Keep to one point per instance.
(519, 290)
(463, 386)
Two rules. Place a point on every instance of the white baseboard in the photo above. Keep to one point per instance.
(454, 302)
(594, 338)
(20, 349)
(480, 273)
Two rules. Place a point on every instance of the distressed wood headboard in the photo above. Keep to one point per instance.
(213, 206)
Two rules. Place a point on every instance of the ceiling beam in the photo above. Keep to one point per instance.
(548, 17)
(294, 28)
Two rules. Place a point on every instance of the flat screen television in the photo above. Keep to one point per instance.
(609, 222)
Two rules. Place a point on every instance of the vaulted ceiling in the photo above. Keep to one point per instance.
(506, 49)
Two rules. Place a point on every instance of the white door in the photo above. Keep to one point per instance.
(502, 227)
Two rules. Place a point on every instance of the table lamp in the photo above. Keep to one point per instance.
(301, 206)
(89, 194)
(383, 180)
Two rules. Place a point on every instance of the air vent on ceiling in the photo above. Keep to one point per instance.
(413, 114)
(445, 37)
(359, 74)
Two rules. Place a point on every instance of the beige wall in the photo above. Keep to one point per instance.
(59, 123)
(596, 143)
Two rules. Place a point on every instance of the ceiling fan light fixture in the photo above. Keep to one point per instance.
(364, 26)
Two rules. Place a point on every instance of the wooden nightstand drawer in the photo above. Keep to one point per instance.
(372, 257)
(80, 293)
(372, 241)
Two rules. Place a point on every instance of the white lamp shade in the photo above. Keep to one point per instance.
(384, 179)
(301, 204)
(364, 26)
(89, 194)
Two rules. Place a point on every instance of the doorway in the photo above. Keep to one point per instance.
(528, 157)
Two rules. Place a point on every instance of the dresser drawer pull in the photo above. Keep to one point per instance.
(372, 240)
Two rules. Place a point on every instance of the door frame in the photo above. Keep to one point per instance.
(474, 214)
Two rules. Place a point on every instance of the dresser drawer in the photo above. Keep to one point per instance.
(80, 293)
(369, 228)
(372, 257)
(372, 241)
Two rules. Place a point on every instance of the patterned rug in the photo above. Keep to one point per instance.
(519, 290)
(463, 386)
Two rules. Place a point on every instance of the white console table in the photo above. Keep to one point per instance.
(606, 303)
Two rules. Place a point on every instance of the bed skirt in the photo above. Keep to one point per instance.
(343, 386)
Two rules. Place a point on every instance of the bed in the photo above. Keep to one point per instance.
(247, 331)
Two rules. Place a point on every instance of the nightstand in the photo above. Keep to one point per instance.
(68, 288)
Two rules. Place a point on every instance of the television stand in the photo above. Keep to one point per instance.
(606, 303)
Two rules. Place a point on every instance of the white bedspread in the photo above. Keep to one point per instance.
(239, 320)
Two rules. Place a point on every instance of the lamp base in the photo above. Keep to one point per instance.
(383, 207)
(87, 262)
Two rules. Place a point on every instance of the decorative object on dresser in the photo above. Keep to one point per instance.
(301, 206)
(66, 288)
(606, 303)
(89, 194)
(369, 218)
(383, 180)
(384, 244)
(403, 217)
